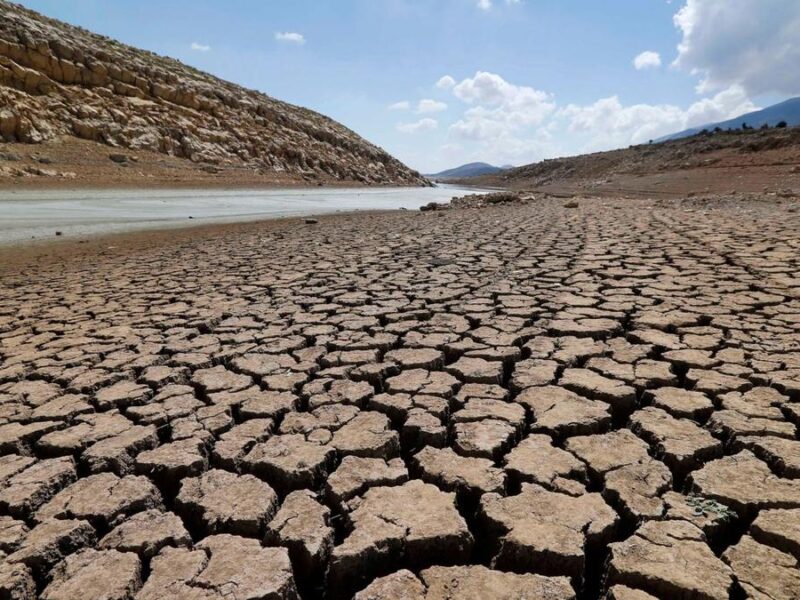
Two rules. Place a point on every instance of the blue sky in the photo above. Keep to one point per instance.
(523, 79)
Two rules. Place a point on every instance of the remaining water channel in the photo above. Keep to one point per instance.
(29, 214)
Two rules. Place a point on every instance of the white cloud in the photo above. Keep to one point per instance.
(402, 105)
(502, 122)
(426, 124)
(502, 119)
(499, 100)
(725, 105)
(477, 125)
(647, 60)
(492, 89)
(430, 106)
(290, 37)
(752, 43)
(487, 4)
(445, 83)
(505, 122)
(609, 124)
(198, 47)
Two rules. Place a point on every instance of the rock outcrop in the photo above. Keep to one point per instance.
(57, 80)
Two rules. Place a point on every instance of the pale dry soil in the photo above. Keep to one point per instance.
(545, 401)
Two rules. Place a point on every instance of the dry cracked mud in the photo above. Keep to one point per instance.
(523, 402)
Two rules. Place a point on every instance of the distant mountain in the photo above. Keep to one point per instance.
(469, 170)
(788, 110)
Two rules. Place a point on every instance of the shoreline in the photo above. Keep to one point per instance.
(69, 185)
(68, 163)
(243, 187)
(41, 251)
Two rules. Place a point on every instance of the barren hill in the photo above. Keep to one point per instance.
(722, 162)
(78, 95)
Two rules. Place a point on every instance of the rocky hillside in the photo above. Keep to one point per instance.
(59, 82)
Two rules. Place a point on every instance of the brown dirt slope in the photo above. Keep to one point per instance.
(736, 161)
(61, 84)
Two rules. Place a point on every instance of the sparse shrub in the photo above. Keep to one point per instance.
(782, 125)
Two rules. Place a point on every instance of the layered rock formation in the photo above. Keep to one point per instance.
(58, 80)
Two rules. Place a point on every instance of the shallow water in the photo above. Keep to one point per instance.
(28, 214)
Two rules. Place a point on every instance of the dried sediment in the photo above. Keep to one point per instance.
(544, 401)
